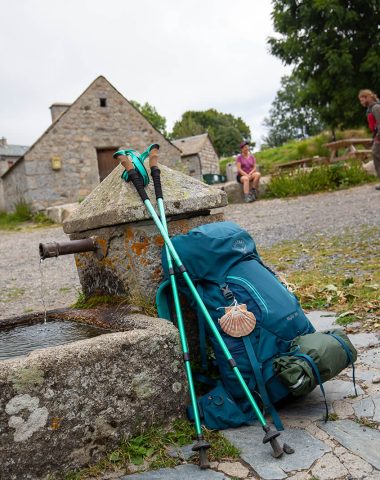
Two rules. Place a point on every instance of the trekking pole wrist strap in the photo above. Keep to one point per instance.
(155, 173)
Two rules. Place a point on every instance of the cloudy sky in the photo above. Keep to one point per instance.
(176, 54)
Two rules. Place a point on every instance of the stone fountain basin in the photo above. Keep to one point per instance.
(63, 407)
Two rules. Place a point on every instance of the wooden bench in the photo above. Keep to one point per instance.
(350, 151)
(303, 163)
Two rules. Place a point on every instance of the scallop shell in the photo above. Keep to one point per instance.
(237, 321)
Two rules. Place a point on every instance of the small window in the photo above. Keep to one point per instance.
(103, 102)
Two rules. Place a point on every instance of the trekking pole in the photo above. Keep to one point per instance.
(202, 445)
(138, 181)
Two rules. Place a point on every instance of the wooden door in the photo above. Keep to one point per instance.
(106, 163)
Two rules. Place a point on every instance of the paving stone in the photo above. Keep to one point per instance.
(361, 441)
(329, 468)
(249, 441)
(376, 415)
(366, 375)
(364, 340)
(184, 453)
(312, 405)
(300, 476)
(365, 408)
(343, 409)
(183, 472)
(357, 467)
(234, 469)
(322, 320)
(371, 357)
(373, 476)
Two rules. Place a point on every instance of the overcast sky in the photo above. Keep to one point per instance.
(177, 55)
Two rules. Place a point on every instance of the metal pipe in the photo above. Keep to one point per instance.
(54, 249)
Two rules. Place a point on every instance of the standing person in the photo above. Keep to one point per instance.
(247, 173)
(369, 99)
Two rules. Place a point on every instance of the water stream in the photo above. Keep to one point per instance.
(42, 290)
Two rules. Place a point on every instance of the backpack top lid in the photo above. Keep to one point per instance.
(209, 251)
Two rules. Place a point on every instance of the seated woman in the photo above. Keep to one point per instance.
(247, 175)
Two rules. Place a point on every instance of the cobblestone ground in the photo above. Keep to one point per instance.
(269, 221)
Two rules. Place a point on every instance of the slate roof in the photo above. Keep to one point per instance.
(191, 145)
(12, 150)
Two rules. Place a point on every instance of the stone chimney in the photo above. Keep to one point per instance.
(130, 242)
(57, 109)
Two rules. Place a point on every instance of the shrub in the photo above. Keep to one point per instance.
(325, 177)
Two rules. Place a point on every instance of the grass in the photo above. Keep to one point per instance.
(139, 300)
(93, 301)
(322, 178)
(150, 450)
(22, 216)
(339, 274)
(11, 294)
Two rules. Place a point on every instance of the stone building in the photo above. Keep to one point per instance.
(75, 153)
(199, 155)
(9, 154)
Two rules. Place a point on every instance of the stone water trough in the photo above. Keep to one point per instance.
(63, 407)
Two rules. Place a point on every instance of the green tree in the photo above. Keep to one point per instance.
(289, 117)
(225, 130)
(334, 47)
(151, 114)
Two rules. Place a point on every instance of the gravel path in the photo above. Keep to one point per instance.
(269, 221)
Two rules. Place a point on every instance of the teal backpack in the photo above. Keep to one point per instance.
(222, 261)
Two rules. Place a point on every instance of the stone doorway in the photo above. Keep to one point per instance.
(106, 163)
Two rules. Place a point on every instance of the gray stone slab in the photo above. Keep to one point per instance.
(376, 415)
(366, 375)
(249, 441)
(114, 202)
(183, 472)
(365, 408)
(364, 340)
(322, 320)
(184, 453)
(312, 406)
(371, 357)
(360, 440)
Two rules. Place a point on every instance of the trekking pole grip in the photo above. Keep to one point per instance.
(155, 173)
(137, 181)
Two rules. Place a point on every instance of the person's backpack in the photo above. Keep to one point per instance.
(222, 260)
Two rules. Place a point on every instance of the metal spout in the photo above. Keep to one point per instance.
(54, 249)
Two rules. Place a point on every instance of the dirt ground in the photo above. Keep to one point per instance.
(26, 285)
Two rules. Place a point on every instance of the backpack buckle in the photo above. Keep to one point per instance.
(227, 294)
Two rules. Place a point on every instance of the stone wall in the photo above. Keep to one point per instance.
(64, 407)
(209, 158)
(132, 258)
(74, 138)
(13, 188)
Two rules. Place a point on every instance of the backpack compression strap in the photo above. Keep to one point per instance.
(256, 367)
(350, 359)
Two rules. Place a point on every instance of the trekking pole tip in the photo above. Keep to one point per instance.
(201, 447)
(271, 437)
